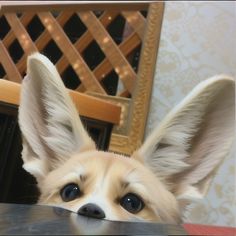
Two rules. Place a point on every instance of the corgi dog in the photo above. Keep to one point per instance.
(174, 166)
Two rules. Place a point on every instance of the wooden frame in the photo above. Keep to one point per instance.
(101, 110)
(128, 134)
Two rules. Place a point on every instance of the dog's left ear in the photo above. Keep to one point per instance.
(188, 146)
(50, 124)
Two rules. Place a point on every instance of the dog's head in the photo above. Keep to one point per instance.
(174, 166)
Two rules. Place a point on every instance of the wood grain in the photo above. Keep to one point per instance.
(9, 66)
(87, 106)
(141, 97)
(29, 6)
(110, 49)
(43, 40)
(72, 55)
(21, 33)
(10, 37)
(86, 39)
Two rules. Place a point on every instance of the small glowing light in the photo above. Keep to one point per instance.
(132, 18)
(109, 18)
(117, 70)
(105, 40)
(46, 20)
(76, 65)
(23, 36)
(103, 75)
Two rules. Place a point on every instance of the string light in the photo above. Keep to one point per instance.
(75, 65)
(23, 36)
(105, 40)
(117, 70)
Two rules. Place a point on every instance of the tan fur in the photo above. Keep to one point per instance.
(174, 166)
(105, 175)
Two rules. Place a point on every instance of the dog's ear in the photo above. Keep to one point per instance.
(48, 119)
(191, 142)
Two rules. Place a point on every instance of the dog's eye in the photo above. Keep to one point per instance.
(132, 203)
(70, 192)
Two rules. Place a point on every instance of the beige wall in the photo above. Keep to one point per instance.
(197, 42)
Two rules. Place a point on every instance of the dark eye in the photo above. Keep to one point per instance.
(132, 203)
(70, 192)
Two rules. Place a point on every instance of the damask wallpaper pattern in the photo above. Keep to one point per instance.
(197, 42)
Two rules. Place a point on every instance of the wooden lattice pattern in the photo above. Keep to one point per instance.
(99, 49)
(117, 58)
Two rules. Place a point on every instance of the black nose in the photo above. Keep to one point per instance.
(91, 210)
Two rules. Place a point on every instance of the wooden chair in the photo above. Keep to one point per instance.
(87, 106)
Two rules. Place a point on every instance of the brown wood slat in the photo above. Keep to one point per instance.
(126, 47)
(111, 50)
(88, 106)
(43, 40)
(45, 37)
(9, 38)
(105, 67)
(21, 33)
(8, 65)
(22, 6)
(143, 89)
(86, 39)
(96, 108)
(136, 21)
(72, 55)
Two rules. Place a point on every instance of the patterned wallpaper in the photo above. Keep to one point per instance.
(197, 42)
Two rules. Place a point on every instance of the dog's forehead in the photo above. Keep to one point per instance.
(103, 162)
(97, 163)
(96, 168)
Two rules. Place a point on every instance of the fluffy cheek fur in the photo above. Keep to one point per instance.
(104, 178)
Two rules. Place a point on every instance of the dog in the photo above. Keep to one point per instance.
(174, 166)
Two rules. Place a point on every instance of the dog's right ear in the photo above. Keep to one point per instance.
(48, 119)
(186, 149)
